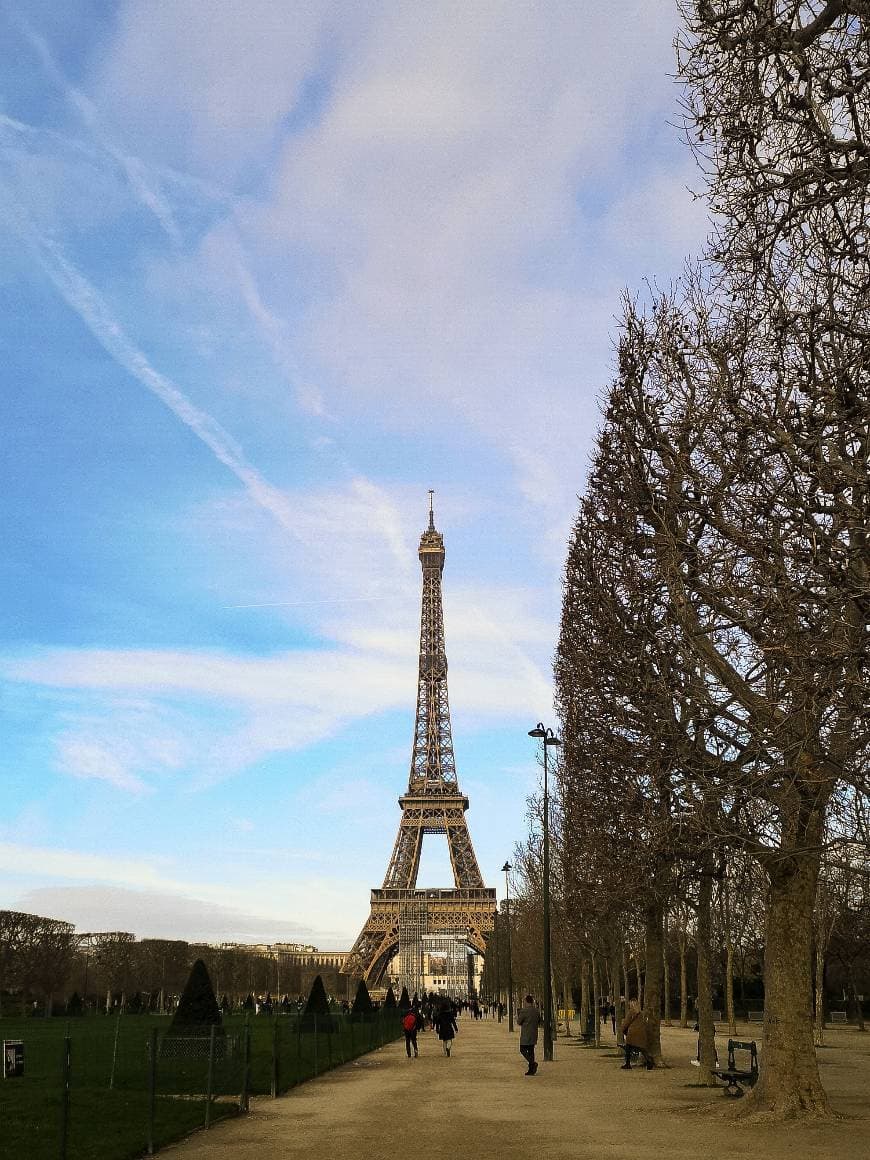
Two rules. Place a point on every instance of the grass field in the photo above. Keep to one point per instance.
(109, 1101)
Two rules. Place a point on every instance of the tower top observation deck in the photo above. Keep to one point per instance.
(431, 551)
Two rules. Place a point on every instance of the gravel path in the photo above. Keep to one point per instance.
(479, 1104)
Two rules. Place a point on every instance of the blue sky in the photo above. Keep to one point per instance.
(267, 274)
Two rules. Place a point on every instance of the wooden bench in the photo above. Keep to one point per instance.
(838, 1017)
(736, 1078)
(755, 1016)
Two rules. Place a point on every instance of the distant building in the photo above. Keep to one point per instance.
(290, 954)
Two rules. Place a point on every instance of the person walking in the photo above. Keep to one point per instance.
(445, 1022)
(410, 1024)
(529, 1020)
(634, 1032)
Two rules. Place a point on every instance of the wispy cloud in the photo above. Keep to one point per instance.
(91, 760)
(141, 180)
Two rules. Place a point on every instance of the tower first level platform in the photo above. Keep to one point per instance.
(462, 912)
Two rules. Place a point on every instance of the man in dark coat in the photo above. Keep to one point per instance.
(529, 1020)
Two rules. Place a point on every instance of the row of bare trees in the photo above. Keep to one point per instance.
(43, 960)
(712, 667)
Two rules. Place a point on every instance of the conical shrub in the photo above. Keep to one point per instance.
(198, 1008)
(318, 1003)
(404, 1001)
(362, 1003)
(390, 1000)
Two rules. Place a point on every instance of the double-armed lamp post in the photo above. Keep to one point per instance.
(549, 738)
(510, 966)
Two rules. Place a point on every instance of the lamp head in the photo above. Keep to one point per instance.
(506, 867)
(538, 731)
(551, 738)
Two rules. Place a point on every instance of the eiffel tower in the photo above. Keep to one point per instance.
(401, 915)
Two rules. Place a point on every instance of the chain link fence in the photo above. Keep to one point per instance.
(113, 1089)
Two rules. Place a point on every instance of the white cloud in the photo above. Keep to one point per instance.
(153, 914)
(207, 86)
(430, 189)
(45, 862)
(91, 759)
(143, 183)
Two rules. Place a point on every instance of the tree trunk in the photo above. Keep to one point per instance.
(618, 997)
(855, 1004)
(584, 995)
(707, 1032)
(684, 995)
(626, 979)
(729, 988)
(741, 978)
(596, 996)
(819, 1025)
(789, 1085)
(666, 973)
(652, 1011)
(636, 956)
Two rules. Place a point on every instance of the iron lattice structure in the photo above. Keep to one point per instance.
(432, 805)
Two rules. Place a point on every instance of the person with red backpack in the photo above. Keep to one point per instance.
(410, 1023)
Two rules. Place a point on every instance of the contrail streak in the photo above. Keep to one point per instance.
(137, 175)
(337, 600)
(88, 304)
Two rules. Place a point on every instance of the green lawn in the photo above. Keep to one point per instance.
(109, 1077)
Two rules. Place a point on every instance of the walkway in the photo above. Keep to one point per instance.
(479, 1104)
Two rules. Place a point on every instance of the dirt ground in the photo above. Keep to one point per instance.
(479, 1103)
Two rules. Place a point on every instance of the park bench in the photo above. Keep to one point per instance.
(737, 1078)
(838, 1016)
(755, 1016)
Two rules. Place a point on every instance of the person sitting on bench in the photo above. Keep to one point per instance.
(634, 1033)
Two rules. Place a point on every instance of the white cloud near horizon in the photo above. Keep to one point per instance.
(154, 914)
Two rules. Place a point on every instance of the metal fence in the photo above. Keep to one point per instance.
(113, 1088)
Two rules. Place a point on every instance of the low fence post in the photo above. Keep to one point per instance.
(246, 1066)
(115, 1049)
(275, 1057)
(209, 1083)
(64, 1109)
(152, 1088)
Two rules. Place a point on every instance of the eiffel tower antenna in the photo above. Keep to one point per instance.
(400, 913)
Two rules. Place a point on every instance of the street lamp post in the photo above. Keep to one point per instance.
(510, 965)
(495, 937)
(549, 738)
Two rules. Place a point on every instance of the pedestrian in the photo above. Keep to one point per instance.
(634, 1031)
(445, 1022)
(529, 1020)
(612, 1013)
(410, 1024)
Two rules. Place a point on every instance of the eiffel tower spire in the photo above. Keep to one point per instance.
(433, 804)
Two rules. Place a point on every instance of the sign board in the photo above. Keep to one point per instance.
(13, 1058)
